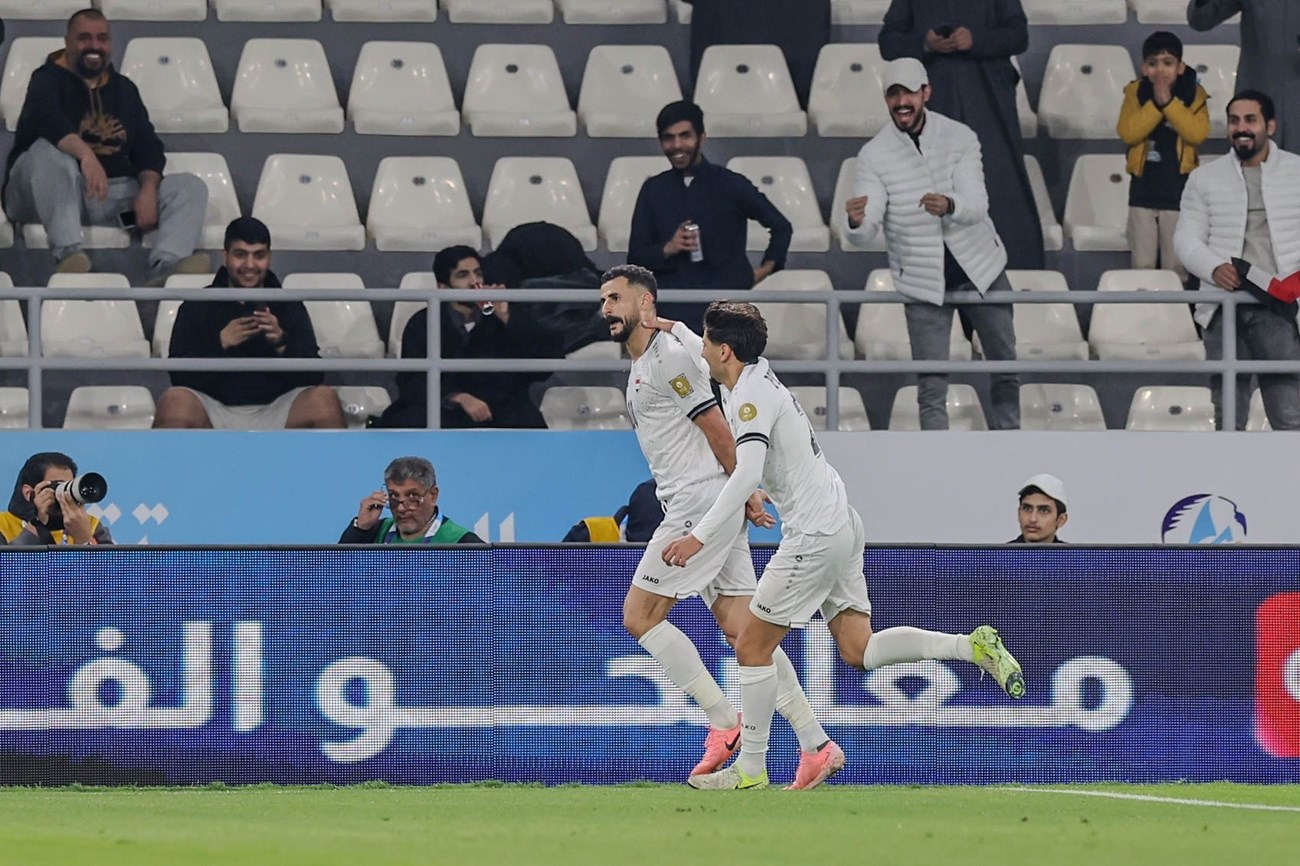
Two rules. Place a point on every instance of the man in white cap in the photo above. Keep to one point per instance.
(922, 182)
(1042, 510)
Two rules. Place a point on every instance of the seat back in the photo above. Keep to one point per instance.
(420, 203)
(573, 407)
(402, 88)
(499, 11)
(284, 85)
(1046, 330)
(267, 10)
(1171, 408)
(526, 189)
(403, 310)
(383, 10)
(1157, 328)
(26, 55)
(964, 409)
(1053, 236)
(1096, 205)
(177, 84)
(90, 329)
(622, 186)
(1216, 71)
(853, 414)
(13, 330)
(49, 10)
(307, 202)
(613, 11)
(13, 408)
(165, 319)
(514, 79)
(882, 335)
(1081, 89)
(1060, 407)
(786, 183)
(747, 90)
(847, 95)
(223, 204)
(344, 329)
(109, 407)
(798, 331)
(623, 89)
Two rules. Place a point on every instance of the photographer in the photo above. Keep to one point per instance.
(38, 514)
(411, 490)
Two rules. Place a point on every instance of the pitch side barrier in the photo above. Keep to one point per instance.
(831, 366)
(328, 664)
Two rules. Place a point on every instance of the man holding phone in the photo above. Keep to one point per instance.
(411, 490)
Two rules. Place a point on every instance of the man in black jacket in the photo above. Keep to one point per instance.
(84, 152)
(246, 329)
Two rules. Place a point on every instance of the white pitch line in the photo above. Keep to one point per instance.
(1151, 798)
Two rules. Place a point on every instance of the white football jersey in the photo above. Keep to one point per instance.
(806, 490)
(666, 391)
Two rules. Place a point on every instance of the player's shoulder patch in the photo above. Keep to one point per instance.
(747, 412)
(681, 386)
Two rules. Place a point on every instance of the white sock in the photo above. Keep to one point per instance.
(758, 688)
(682, 663)
(793, 704)
(907, 644)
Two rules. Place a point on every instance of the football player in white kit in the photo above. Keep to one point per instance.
(818, 566)
(690, 450)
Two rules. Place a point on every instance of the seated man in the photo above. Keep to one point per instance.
(1042, 510)
(85, 152)
(39, 515)
(411, 490)
(246, 329)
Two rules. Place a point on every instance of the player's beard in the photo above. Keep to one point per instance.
(629, 326)
(1245, 149)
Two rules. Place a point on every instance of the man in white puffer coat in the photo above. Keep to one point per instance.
(922, 181)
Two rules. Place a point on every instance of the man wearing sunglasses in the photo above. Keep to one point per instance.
(411, 491)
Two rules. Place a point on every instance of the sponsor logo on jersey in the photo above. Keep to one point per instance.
(748, 412)
(681, 386)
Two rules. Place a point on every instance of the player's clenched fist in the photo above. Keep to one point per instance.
(856, 208)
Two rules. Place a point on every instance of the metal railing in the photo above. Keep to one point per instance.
(831, 365)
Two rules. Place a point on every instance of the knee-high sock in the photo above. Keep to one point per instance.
(792, 703)
(758, 688)
(682, 663)
(907, 644)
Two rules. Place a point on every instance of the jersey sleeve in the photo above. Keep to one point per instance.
(754, 413)
(688, 384)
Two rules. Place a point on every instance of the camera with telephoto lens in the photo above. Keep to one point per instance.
(87, 487)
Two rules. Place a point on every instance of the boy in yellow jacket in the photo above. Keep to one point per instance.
(1164, 119)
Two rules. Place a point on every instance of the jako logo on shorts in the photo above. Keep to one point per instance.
(1203, 518)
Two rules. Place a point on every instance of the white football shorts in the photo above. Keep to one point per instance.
(811, 573)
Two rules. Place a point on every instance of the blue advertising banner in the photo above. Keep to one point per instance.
(434, 665)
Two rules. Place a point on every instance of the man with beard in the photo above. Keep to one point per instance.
(39, 515)
(1246, 206)
(922, 181)
(411, 490)
(85, 152)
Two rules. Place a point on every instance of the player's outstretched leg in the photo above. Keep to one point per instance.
(817, 766)
(988, 652)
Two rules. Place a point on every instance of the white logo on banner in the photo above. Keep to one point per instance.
(505, 530)
(1204, 518)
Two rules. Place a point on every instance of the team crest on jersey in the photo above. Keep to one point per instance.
(748, 412)
(681, 386)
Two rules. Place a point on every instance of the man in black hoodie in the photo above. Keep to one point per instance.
(246, 329)
(84, 152)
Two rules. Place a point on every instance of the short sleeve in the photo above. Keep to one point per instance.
(687, 383)
(754, 414)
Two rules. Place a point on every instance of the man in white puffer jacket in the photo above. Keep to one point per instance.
(922, 180)
(1246, 206)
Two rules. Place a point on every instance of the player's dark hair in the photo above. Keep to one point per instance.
(739, 326)
(88, 13)
(33, 471)
(246, 229)
(1266, 107)
(446, 260)
(1162, 42)
(675, 112)
(1060, 506)
(636, 276)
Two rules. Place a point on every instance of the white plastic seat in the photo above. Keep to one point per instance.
(383, 10)
(606, 350)
(1077, 12)
(853, 414)
(526, 189)
(1060, 407)
(344, 329)
(682, 10)
(859, 11)
(91, 329)
(1082, 90)
(786, 183)
(881, 334)
(1128, 332)
(361, 401)
(401, 88)
(499, 11)
(573, 407)
(1216, 70)
(13, 408)
(1096, 205)
(1045, 331)
(836, 219)
(798, 331)
(622, 186)
(284, 85)
(965, 413)
(177, 84)
(1171, 408)
(516, 90)
(46, 10)
(267, 10)
(307, 203)
(109, 407)
(847, 95)
(6, 233)
(419, 204)
(26, 55)
(1166, 12)
(746, 90)
(223, 205)
(1257, 421)
(613, 11)
(154, 10)
(623, 89)
(1053, 236)
(403, 310)
(13, 331)
(165, 318)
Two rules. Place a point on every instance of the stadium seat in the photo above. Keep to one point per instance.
(964, 410)
(403, 310)
(361, 401)
(1076, 12)
(401, 88)
(526, 189)
(516, 90)
(177, 84)
(154, 10)
(1024, 111)
(91, 329)
(853, 415)
(613, 11)
(344, 329)
(745, 90)
(6, 233)
(26, 54)
(859, 11)
(1060, 407)
(682, 9)
(308, 204)
(623, 88)
(622, 186)
(589, 408)
(48, 10)
(1171, 408)
(284, 85)
(223, 205)
(1257, 421)
(605, 350)
(419, 204)
(13, 408)
(1128, 332)
(836, 218)
(786, 183)
(1046, 331)
(1165, 12)
(1053, 236)
(798, 331)
(847, 97)
(1216, 70)
(93, 237)
(268, 10)
(499, 11)
(383, 10)
(109, 407)
(13, 331)
(165, 319)
(882, 328)
(1096, 205)
(1082, 89)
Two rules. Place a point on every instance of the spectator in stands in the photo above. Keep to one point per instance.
(85, 151)
(1164, 119)
(494, 329)
(38, 515)
(967, 49)
(717, 201)
(1042, 511)
(1246, 205)
(411, 490)
(255, 328)
(922, 181)
(1269, 59)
